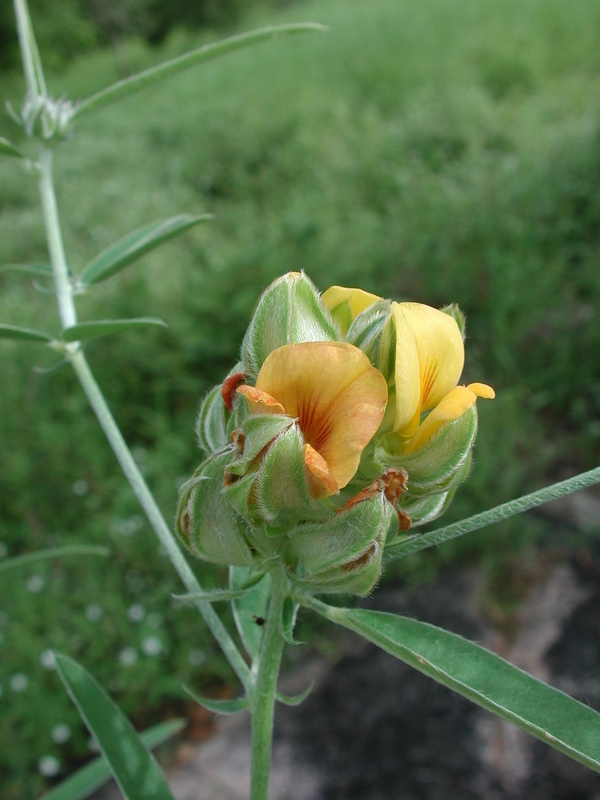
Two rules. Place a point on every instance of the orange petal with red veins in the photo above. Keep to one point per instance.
(260, 402)
(337, 396)
(321, 479)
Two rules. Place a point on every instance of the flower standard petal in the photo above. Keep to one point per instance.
(346, 304)
(337, 396)
(440, 353)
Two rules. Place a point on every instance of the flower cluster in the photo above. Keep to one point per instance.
(340, 428)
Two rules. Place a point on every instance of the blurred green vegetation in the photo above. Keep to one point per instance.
(439, 151)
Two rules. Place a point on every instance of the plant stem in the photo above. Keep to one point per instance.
(68, 316)
(263, 696)
(528, 501)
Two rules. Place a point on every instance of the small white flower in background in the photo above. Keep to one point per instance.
(49, 766)
(154, 620)
(127, 527)
(3, 549)
(94, 612)
(161, 550)
(128, 656)
(61, 733)
(136, 612)
(196, 657)
(93, 745)
(19, 682)
(35, 584)
(140, 454)
(47, 659)
(80, 488)
(151, 646)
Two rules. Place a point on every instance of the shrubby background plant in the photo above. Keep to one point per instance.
(466, 170)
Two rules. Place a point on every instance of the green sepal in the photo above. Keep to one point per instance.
(458, 316)
(374, 332)
(282, 484)
(425, 508)
(293, 700)
(220, 706)
(342, 539)
(211, 425)
(205, 522)
(258, 430)
(239, 495)
(289, 615)
(358, 579)
(434, 466)
(288, 312)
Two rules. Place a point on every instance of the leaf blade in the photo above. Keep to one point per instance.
(23, 334)
(217, 706)
(479, 675)
(54, 552)
(128, 86)
(9, 149)
(95, 774)
(84, 331)
(134, 245)
(42, 270)
(250, 608)
(134, 768)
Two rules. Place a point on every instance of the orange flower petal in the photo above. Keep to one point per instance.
(337, 396)
(260, 402)
(321, 479)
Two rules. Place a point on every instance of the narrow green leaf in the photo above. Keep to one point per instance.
(220, 706)
(25, 334)
(412, 544)
(288, 620)
(56, 552)
(88, 779)
(128, 86)
(32, 64)
(209, 595)
(485, 678)
(134, 246)
(9, 149)
(293, 700)
(43, 270)
(250, 610)
(93, 330)
(134, 768)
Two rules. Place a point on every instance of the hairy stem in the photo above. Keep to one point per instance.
(263, 695)
(68, 316)
(528, 501)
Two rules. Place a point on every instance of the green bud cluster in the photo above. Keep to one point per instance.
(250, 503)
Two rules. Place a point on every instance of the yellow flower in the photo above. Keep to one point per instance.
(428, 362)
(338, 398)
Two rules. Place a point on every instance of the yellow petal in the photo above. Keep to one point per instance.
(482, 390)
(440, 354)
(321, 479)
(260, 402)
(407, 374)
(346, 304)
(337, 396)
(451, 407)
(357, 299)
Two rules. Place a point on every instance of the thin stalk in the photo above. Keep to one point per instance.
(68, 316)
(528, 501)
(60, 270)
(263, 696)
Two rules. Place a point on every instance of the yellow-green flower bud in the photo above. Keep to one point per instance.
(288, 312)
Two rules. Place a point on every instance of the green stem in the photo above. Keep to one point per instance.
(156, 519)
(68, 316)
(263, 695)
(528, 501)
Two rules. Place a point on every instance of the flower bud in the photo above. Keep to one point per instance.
(206, 523)
(288, 312)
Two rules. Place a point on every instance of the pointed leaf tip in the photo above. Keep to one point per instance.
(85, 331)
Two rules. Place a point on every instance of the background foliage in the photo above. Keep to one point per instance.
(444, 152)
